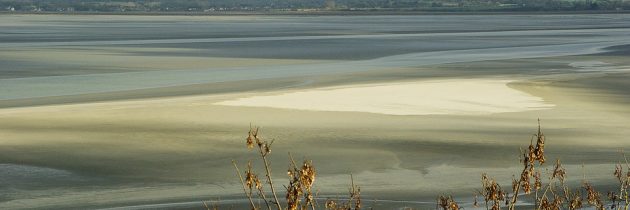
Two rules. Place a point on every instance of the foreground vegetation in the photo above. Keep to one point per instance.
(552, 194)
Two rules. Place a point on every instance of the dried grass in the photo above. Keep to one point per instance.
(555, 194)
(552, 194)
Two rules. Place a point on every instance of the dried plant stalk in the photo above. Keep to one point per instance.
(535, 154)
(353, 202)
(248, 194)
(264, 149)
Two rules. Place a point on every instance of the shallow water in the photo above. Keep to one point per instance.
(139, 147)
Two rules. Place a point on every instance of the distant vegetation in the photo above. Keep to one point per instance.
(308, 5)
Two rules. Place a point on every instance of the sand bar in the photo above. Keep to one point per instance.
(468, 96)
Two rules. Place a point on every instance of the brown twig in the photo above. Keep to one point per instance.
(248, 194)
(264, 149)
(269, 180)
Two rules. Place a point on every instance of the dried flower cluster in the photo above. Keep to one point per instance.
(300, 185)
(534, 154)
(555, 204)
(299, 191)
(447, 203)
(537, 181)
(593, 197)
(263, 146)
(251, 180)
(552, 190)
(575, 200)
(559, 172)
(624, 183)
(492, 193)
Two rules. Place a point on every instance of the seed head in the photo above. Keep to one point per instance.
(537, 181)
(447, 203)
(251, 136)
(307, 174)
(559, 171)
(250, 177)
(619, 172)
(331, 204)
(593, 197)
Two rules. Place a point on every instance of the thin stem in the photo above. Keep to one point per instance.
(624, 185)
(268, 174)
(205, 205)
(536, 198)
(351, 192)
(262, 195)
(249, 195)
(548, 188)
(518, 188)
(624, 158)
(313, 204)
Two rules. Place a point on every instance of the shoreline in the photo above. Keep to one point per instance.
(326, 13)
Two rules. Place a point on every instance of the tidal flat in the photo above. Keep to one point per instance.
(139, 112)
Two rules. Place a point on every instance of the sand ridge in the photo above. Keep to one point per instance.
(454, 96)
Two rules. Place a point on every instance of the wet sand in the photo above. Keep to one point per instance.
(150, 143)
(184, 145)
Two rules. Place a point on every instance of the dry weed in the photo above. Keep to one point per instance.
(554, 194)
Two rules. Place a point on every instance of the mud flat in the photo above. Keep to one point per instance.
(126, 111)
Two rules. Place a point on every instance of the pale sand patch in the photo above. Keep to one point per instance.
(458, 96)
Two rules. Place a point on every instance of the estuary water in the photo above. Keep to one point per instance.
(147, 112)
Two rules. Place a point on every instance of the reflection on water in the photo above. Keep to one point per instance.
(33, 177)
